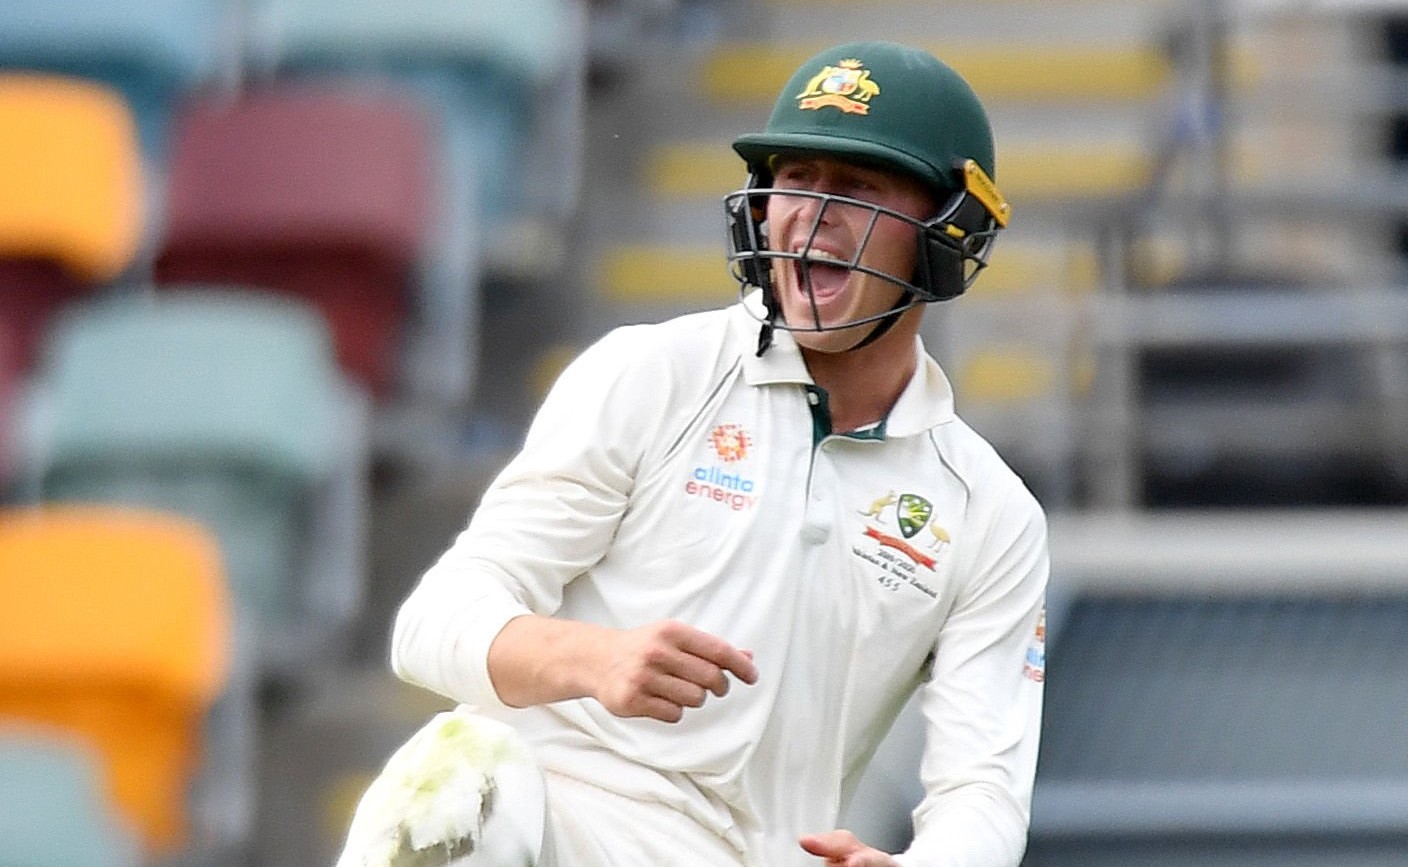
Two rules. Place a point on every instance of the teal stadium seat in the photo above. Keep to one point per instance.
(54, 812)
(153, 51)
(226, 407)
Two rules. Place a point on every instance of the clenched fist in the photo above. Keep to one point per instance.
(659, 670)
(653, 671)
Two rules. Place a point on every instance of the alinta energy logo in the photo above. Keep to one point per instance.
(731, 444)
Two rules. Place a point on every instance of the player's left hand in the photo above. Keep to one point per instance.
(843, 849)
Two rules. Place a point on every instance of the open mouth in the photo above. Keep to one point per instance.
(821, 274)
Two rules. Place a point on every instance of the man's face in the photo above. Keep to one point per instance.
(835, 294)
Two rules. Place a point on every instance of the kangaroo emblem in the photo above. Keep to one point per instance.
(879, 505)
(939, 533)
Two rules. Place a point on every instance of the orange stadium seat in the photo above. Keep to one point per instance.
(114, 625)
(70, 196)
(319, 192)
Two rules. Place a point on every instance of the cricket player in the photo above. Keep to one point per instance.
(735, 543)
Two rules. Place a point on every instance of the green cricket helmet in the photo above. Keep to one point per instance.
(881, 105)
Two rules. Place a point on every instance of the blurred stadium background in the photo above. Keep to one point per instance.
(281, 282)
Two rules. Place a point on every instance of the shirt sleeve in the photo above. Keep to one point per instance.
(982, 705)
(547, 518)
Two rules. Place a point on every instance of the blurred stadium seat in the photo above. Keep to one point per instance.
(70, 197)
(317, 192)
(56, 812)
(9, 376)
(485, 66)
(152, 51)
(115, 626)
(226, 407)
(504, 79)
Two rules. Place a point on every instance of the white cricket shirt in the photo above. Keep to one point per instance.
(671, 473)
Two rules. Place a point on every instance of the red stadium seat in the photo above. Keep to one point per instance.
(318, 191)
(9, 373)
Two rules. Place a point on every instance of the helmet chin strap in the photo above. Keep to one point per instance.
(884, 325)
(774, 310)
(764, 338)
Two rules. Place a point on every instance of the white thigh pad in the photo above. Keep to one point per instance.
(463, 791)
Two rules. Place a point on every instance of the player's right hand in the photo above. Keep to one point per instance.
(662, 668)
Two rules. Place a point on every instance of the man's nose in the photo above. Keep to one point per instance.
(812, 209)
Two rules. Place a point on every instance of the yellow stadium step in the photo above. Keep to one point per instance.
(1042, 171)
(736, 74)
(1006, 374)
(1074, 171)
(1018, 268)
(652, 273)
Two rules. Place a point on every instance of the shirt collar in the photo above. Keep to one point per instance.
(927, 399)
(783, 360)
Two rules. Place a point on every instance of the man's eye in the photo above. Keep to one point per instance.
(853, 188)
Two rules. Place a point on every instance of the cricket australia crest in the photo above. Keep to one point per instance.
(902, 560)
(846, 86)
(912, 513)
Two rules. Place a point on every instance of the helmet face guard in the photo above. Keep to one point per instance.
(952, 247)
(881, 105)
